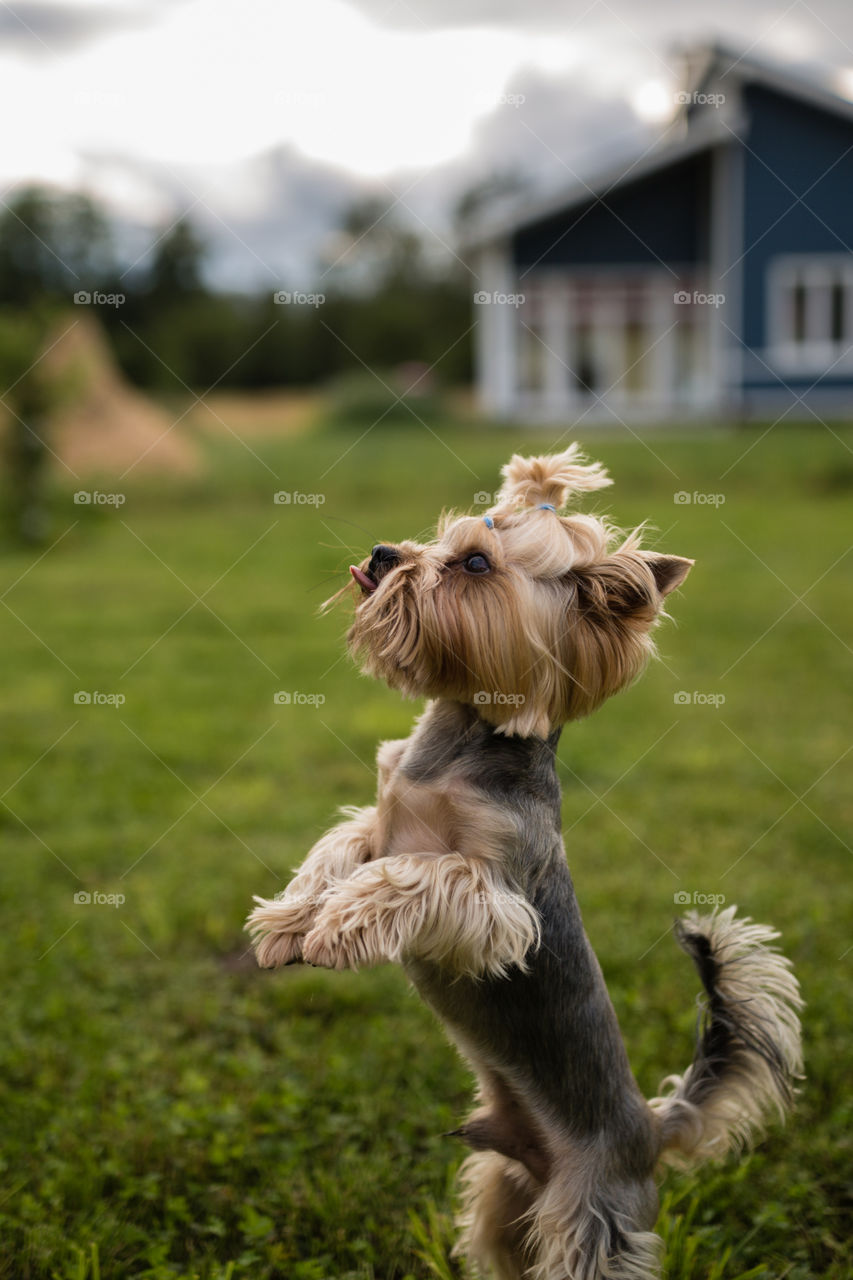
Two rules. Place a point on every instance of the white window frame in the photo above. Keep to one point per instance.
(817, 274)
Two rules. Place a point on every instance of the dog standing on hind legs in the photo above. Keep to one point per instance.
(513, 624)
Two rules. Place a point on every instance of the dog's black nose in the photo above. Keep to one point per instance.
(382, 559)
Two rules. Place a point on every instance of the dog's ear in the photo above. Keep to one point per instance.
(629, 584)
(614, 604)
(669, 571)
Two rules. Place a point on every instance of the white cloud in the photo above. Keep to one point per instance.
(214, 82)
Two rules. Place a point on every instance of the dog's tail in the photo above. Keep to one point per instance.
(748, 1056)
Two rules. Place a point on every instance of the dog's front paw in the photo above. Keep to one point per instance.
(274, 950)
(277, 929)
(330, 949)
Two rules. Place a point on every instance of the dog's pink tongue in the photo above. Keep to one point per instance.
(366, 584)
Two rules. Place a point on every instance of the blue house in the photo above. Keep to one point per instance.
(712, 274)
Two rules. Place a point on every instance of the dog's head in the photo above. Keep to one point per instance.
(532, 616)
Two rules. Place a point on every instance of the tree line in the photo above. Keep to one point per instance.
(390, 302)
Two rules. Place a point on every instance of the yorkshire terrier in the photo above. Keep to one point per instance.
(513, 623)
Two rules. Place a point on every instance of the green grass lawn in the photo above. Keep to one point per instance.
(170, 1111)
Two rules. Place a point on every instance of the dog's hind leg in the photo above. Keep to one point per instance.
(584, 1228)
(498, 1196)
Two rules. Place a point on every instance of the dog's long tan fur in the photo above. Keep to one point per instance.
(513, 624)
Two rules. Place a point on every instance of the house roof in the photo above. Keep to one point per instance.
(721, 61)
(666, 150)
(687, 134)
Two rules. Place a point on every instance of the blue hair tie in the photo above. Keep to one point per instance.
(488, 522)
(547, 506)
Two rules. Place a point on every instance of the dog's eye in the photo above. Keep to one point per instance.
(476, 564)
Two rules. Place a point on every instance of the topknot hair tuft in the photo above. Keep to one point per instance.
(550, 480)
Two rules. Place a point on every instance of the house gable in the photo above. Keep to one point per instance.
(659, 218)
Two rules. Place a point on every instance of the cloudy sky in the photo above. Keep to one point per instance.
(263, 118)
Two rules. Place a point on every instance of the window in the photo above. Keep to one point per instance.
(810, 312)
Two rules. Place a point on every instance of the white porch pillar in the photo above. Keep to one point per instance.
(610, 357)
(496, 331)
(555, 333)
(725, 323)
(662, 315)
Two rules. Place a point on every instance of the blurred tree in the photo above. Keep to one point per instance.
(200, 340)
(172, 329)
(29, 394)
(52, 245)
(374, 248)
(391, 302)
(176, 266)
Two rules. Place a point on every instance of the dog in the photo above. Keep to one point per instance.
(512, 624)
